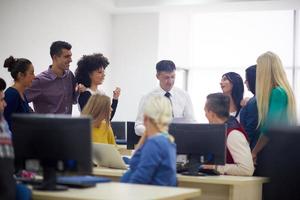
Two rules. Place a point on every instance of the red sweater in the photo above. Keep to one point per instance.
(233, 124)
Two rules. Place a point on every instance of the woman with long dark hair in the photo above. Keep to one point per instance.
(232, 85)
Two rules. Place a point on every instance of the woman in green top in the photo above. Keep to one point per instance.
(275, 98)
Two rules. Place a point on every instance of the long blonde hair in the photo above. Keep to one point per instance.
(270, 74)
(98, 107)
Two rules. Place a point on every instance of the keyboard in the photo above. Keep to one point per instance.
(182, 168)
(81, 181)
(209, 172)
(29, 181)
(121, 141)
(71, 181)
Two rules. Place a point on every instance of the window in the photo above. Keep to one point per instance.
(211, 44)
(181, 78)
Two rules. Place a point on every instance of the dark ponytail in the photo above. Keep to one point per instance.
(16, 65)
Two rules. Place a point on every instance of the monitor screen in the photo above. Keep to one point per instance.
(132, 138)
(280, 161)
(119, 129)
(206, 140)
(52, 140)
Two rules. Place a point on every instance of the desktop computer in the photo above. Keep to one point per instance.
(202, 143)
(59, 143)
(132, 137)
(280, 161)
(119, 129)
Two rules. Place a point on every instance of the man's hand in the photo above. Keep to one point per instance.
(208, 166)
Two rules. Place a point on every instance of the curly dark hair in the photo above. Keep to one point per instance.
(86, 65)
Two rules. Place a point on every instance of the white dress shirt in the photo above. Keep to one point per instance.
(181, 105)
(240, 151)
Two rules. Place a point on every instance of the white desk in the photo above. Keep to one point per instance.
(120, 191)
(212, 187)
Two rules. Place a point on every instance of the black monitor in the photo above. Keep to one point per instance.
(132, 137)
(280, 161)
(203, 143)
(58, 142)
(119, 129)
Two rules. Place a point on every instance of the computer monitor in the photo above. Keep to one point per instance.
(58, 142)
(119, 129)
(132, 137)
(203, 143)
(280, 161)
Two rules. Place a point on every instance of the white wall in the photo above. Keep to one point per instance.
(135, 47)
(130, 38)
(28, 28)
(174, 27)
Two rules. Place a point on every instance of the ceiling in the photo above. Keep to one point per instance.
(146, 3)
(132, 6)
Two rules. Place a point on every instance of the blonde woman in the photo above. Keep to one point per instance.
(154, 161)
(275, 99)
(99, 108)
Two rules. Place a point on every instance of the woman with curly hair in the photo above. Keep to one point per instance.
(91, 73)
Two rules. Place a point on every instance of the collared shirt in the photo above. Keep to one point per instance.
(181, 105)
(52, 94)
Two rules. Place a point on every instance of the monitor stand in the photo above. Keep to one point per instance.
(49, 181)
(193, 166)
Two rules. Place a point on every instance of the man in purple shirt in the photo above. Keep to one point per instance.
(53, 91)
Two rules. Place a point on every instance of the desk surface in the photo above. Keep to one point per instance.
(212, 187)
(223, 180)
(119, 191)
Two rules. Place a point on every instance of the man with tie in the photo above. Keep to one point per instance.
(180, 100)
